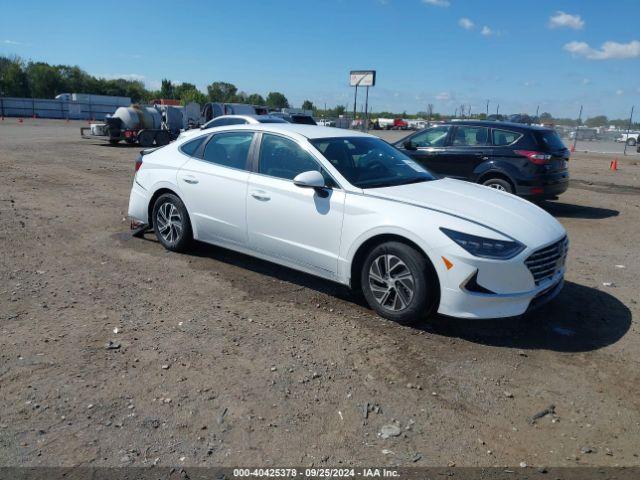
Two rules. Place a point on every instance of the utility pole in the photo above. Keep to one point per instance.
(487, 107)
(497, 110)
(355, 99)
(537, 111)
(575, 137)
(628, 128)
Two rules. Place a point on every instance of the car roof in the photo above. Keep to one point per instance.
(308, 131)
(497, 124)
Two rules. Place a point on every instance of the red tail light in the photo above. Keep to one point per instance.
(138, 163)
(539, 158)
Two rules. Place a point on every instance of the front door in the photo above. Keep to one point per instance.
(428, 149)
(298, 225)
(214, 188)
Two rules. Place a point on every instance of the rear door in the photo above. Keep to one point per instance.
(214, 187)
(469, 147)
(429, 148)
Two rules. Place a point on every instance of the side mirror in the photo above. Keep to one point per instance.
(310, 179)
(409, 145)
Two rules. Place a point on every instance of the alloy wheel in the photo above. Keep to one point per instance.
(391, 282)
(169, 222)
(497, 186)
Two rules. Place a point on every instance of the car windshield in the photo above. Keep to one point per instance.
(368, 162)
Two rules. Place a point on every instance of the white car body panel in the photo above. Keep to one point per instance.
(273, 219)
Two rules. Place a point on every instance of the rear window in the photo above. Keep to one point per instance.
(551, 140)
(190, 148)
(272, 120)
(303, 119)
(505, 137)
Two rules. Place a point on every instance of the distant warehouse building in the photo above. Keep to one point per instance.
(78, 106)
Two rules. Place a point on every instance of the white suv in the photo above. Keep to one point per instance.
(349, 207)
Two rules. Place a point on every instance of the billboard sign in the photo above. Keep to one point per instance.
(362, 78)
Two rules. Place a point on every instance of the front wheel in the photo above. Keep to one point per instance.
(498, 184)
(171, 223)
(399, 283)
(631, 142)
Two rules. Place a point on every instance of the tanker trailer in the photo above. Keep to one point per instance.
(135, 124)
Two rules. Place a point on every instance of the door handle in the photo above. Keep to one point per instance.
(190, 179)
(260, 195)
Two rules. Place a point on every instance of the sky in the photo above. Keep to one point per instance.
(521, 54)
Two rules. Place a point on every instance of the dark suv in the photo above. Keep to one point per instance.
(522, 159)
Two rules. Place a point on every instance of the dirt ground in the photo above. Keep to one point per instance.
(230, 361)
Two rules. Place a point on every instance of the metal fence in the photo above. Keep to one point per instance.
(52, 108)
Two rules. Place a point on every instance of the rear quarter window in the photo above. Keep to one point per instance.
(505, 137)
(190, 148)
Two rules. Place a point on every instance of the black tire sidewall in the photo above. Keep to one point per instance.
(499, 181)
(425, 295)
(185, 239)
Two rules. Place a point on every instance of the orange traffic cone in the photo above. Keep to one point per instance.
(572, 149)
(613, 165)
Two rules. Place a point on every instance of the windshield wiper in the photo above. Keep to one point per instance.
(395, 184)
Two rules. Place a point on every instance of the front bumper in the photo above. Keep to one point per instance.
(508, 288)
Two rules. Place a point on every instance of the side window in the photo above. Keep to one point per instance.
(505, 137)
(190, 148)
(471, 136)
(284, 158)
(229, 149)
(431, 137)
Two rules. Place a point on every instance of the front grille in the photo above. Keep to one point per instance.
(545, 262)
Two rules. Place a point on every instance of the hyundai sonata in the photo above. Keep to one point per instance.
(349, 207)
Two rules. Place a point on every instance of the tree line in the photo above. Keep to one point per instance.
(19, 78)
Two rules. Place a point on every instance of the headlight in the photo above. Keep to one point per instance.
(485, 247)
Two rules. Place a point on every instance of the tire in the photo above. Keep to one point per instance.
(163, 137)
(177, 234)
(405, 301)
(146, 138)
(114, 141)
(631, 142)
(498, 184)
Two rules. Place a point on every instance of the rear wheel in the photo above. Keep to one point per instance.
(114, 141)
(498, 184)
(163, 138)
(146, 138)
(171, 223)
(631, 142)
(399, 283)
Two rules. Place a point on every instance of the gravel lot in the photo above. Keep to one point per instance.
(228, 360)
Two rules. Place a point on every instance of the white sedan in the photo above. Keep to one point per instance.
(348, 207)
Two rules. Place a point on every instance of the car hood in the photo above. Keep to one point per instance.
(506, 213)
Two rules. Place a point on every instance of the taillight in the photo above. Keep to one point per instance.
(138, 163)
(539, 158)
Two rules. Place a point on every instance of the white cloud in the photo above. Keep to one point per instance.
(586, 81)
(619, 92)
(466, 23)
(486, 31)
(529, 83)
(127, 76)
(562, 19)
(11, 42)
(608, 50)
(437, 3)
(444, 96)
